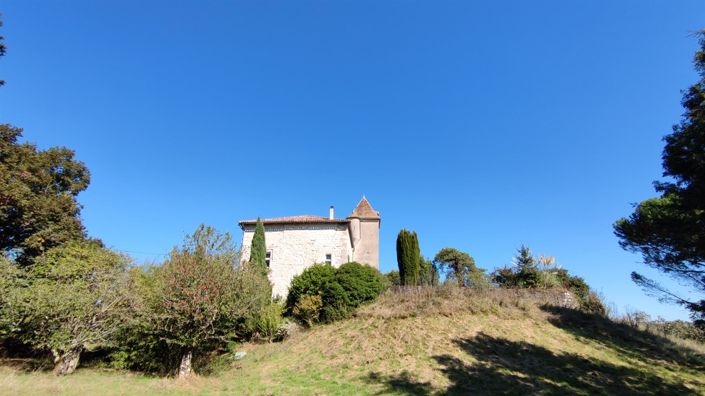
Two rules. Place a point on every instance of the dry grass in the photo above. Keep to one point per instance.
(430, 341)
(405, 302)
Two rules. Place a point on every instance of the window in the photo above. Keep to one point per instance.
(268, 257)
(329, 258)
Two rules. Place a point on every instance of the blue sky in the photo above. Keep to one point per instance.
(480, 125)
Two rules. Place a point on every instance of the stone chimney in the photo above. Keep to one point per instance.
(331, 212)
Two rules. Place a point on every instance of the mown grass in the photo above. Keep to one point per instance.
(423, 341)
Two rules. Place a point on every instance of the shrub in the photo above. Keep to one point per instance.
(308, 309)
(393, 278)
(266, 323)
(322, 293)
(360, 282)
(310, 282)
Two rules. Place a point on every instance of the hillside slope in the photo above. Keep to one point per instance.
(432, 342)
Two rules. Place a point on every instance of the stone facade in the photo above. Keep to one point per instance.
(295, 243)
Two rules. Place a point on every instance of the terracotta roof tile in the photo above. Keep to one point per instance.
(305, 219)
(364, 210)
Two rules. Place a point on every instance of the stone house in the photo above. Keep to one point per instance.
(297, 242)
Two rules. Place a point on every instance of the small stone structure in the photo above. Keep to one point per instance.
(297, 242)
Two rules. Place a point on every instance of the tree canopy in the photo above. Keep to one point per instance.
(38, 189)
(201, 297)
(460, 266)
(669, 231)
(76, 297)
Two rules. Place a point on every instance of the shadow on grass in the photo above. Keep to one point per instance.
(625, 340)
(518, 368)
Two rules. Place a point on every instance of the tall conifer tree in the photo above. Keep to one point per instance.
(408, 257)
(258, 250)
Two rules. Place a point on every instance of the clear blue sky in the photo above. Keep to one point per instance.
(480, 125)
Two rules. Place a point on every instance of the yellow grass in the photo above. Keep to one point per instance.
(425, 341)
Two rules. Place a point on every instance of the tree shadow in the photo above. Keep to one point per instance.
(627, 341)
(503, 366)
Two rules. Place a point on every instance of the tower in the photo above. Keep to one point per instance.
(364, 234)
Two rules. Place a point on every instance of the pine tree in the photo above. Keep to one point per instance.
(524, 260)
(408, 257)
(258, 250)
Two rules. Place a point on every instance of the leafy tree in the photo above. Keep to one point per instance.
(408, 257)
(202, 297)
(13, 282)
(76, 298)
(460, 267)
(428, 273)
(38, 189)
(258, 250)
(669, 231)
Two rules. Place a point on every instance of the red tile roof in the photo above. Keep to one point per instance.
(305, 219)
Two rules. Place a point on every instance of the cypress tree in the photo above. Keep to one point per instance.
(258, 250)
(408, 257)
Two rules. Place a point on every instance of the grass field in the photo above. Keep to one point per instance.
(427, 342)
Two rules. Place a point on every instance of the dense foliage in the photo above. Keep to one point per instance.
(529, 272)
(258, 249)
(460, 268)
(428, 272)
(322, 293)
(669, 231)
(201, 295)
(38, 189)
(76, 296)
(408, 257)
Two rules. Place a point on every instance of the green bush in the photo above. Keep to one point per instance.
(360, 282)
(310, 282)
(308, 309)
(266, 323)
(325, 294)
(393, 278)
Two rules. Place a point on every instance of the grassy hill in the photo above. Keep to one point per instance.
(442, 341)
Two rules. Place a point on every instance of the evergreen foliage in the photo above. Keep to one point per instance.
(408, 257)
(258, 250)
(669, 231)
(544, 273)
(339, 291)
(460, 267)
(428, 273)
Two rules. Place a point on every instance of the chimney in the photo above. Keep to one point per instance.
(332, 213)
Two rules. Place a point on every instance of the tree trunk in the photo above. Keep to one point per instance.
(185, 369)
(67, 363)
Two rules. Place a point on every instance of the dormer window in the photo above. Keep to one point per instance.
(268, 258)
(329, 259)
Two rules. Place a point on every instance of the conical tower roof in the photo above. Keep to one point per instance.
(364, 210)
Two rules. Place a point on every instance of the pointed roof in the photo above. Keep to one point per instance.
(364, 210)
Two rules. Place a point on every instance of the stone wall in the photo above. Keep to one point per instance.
(295, 247)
